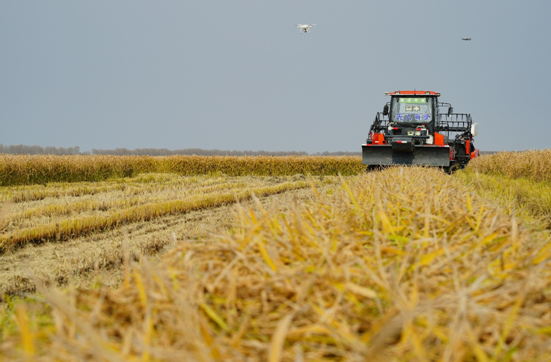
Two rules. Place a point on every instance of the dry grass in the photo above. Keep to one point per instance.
(400, 265)
(30, 170)
(139, 185)
(534, 165)
(5, 211)
(156, 209)
(65, 215)
(74, 227)
(85, 260)
(55, 209)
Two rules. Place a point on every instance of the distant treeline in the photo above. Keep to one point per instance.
(38, 150)
(488, 152)
(201, 152)
(190, 152)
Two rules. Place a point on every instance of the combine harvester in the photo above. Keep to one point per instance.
(412, 130)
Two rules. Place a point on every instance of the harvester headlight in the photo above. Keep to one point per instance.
(417, 133)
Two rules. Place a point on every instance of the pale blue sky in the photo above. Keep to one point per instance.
(238, 75)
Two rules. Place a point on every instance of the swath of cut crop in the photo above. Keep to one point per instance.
(97, 257)
(78, 207)
(74, 227)
(131, 186)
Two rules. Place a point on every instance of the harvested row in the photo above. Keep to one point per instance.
(132, 186)
(74, 227)
(90, 205)
(63, 202)
(41, 169)
(401, 265)
(535, 165)
(97, 256)
(43, 192)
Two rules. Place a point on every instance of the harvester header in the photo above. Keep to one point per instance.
(413, 130)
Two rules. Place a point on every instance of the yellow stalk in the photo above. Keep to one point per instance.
(265, 255)
(214, 316)
(27, 336)
(278, 338)
(141, 289)
(148, 332)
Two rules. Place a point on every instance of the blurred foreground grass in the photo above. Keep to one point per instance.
(408, 264)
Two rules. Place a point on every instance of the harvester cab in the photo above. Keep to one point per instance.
(416, 129)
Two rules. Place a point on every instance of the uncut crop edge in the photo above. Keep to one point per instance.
(38, 169)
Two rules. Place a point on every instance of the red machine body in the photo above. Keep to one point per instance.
(414, 130)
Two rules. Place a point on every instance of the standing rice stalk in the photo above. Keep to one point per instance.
(29, 170)
(535, 165)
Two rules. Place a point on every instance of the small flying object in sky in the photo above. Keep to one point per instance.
(304, 28)
(466, 39)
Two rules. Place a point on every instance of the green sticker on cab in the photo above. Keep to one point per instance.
(413, 100)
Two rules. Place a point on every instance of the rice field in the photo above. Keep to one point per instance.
(66, 256)
(43, 169)
(534, 165)
(405, 264)
(57, 222)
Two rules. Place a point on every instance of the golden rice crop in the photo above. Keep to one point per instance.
(402, 265)
(521, 196)
(41, 169)
(534, 164)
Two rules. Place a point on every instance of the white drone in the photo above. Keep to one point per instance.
(304, 28)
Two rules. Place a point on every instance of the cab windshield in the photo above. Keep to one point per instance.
(413, 109)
